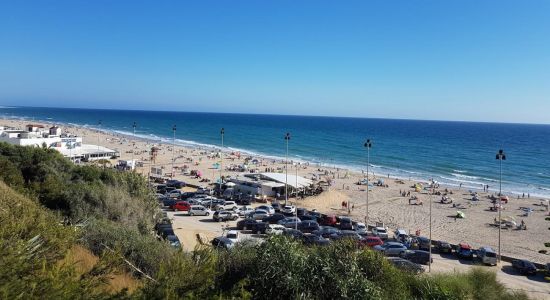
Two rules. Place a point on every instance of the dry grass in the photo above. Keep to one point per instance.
(83, 261)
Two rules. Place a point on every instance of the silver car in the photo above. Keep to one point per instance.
(391, 249)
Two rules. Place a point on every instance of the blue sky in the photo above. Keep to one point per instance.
(449, 60)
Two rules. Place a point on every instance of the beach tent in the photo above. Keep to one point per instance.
(460, 214)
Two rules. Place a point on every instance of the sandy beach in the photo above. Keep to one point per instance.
(385, 203)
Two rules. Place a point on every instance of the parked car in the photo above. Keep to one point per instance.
(524, 266)
(327, 231)
(258, 214)
(275, 229)
(276, 206)
(289, 222)
(288, 209)
(161, 188)
(464, 250)
(246, 224)
(173, 241)
(350, 234)
(417, 256)
(312, 239)
(315, 214)
(270, 210)
(380, 232)
(198, 210)
(164, 232)
(487, 256)
(175, 183)
(168, 202)
(226, 205)
(187, 195)
(259, 228)
(346, 223)
(273, 219)
(222, 242)
(391, 248)
(444, 247)
(174, 194)
(233, 235)
(329, 220)
(422, 243)
(291, 232)
(242, 211)
(401, 236)
(373, 241)
(406, 265)
(224, 215)
(308, 218)
(181, 206)
(361, 228)
(161, 227)
(308, 226)
(301, 211)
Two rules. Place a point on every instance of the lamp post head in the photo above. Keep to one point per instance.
(287, 136)
(222, 131)
(368, 144)
(135, 125)
(99, 123)
(174, 128)
(501, 155)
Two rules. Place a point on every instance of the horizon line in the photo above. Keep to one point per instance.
(285, 115)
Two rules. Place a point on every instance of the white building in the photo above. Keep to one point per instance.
(37, 135)
(268, 184)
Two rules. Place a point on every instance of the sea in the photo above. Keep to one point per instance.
(453, 153)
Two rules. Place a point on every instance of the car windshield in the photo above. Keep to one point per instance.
(231, 236)
(381, 230)
(490, 254)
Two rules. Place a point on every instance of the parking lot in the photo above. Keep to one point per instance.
(187, 227)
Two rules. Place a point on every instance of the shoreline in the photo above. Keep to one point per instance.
(465, 183)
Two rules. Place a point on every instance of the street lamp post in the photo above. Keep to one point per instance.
(173, 150)
(430, 247)
(133, 146)
(368, 145)
(500, 157)
(98, 133)
(222, 132)
(287, 138)
(296, 206)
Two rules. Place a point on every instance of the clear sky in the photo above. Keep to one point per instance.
(449, 60)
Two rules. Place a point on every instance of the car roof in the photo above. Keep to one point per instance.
(394, 243)
(464, 245)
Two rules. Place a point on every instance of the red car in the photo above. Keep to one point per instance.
(374, 241)
(328, 220)
(181, 206)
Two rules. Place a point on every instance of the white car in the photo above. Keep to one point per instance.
(270, 210)
(233, 235)
(361, 228)
(243, 211)
(275, 229)
(198, 210)
(174, 194)
(380, 232)
(289, 209)
(227, 205)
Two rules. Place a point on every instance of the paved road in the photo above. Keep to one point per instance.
(535, 286)
(186, 228)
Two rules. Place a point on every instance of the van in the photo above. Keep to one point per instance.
(401, 235)
(198, 210)
(487, 256)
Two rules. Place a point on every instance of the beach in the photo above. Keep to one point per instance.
(386, 204)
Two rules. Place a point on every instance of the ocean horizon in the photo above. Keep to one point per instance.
(451, 152)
